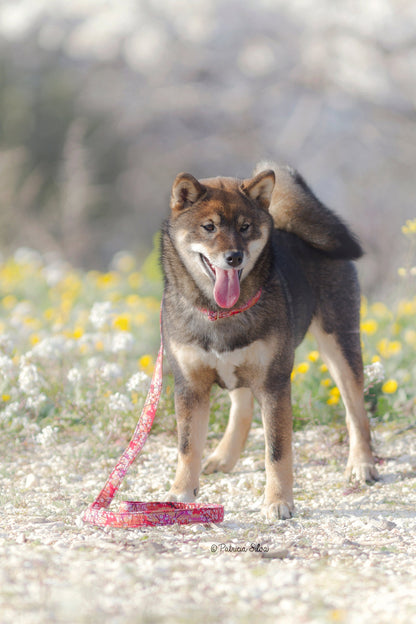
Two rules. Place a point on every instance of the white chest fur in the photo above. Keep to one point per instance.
(256, 356)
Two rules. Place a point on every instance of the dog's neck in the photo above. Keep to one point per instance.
(216, 315)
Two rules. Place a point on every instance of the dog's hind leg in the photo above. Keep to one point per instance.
(229, 449)
(341, 351)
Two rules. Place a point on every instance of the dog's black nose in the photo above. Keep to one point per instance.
(234, 258)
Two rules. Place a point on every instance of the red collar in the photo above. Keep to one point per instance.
(220, 314)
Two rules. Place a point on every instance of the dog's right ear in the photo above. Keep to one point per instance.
(186, 190)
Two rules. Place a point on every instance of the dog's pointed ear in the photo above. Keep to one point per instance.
(260, 188)
(186, 190)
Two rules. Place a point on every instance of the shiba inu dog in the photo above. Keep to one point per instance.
(249, 266)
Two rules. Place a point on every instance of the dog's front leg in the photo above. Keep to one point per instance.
(192, 414)
(277, 422)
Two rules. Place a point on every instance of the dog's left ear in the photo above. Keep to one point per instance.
(260, 188)
(186, 190)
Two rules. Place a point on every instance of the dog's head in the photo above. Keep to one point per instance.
(219, 227)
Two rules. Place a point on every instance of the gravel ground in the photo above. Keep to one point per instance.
(348, 555)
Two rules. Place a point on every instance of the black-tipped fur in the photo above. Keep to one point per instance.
(296, 209)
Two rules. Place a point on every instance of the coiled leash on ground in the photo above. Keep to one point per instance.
(133, 513)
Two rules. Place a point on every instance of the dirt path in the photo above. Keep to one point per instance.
(347, 556)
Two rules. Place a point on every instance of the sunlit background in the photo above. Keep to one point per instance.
(102, 103)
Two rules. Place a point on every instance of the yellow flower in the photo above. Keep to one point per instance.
(302, 368)
(313, 356)
(410, 227)
(9, 301)
(133, 300)
(406, 308)
(29, 321)
(410, 337)
(401, 272)
(34, 339)
(380, 310)
(124, 262)
(146, 363)
(387, 348)
(5, 398)
(78, 333)
(337, 615)
(134, 280)
(326, 382)
(369, 327)
(390, 386)
(333, 400)
(107, 280)
(49, 314)
(122, 322)
(335, 391)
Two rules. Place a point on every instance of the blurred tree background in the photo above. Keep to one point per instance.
(103, 102)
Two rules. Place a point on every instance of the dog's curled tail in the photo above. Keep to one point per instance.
(296, 209)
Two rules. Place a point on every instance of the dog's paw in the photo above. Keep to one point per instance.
(279, 510)
(175, 496)
(217, 464)
(361, 472)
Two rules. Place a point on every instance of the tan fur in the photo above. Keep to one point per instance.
(232, 443)
(360, 464)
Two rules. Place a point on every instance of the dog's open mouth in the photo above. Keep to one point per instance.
(226, 283)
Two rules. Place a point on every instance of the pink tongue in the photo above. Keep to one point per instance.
(227, 287)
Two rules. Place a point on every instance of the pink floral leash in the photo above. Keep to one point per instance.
(133, 514)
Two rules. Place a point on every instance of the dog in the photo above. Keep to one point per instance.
(249, 267)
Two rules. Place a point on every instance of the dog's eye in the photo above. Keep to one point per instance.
(244, 227)
(209, 227)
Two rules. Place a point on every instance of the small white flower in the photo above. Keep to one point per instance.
(30, 380)
(111, 371)
(94, 363)
(50, 349)
(101, 314)
(54, 272)
(374, 373)
(122, 341)
(6, 344)
(138, 382)
(47, 436)
(119, 403)
(7, 368)
(25, 255)
(74, 376)
(36, 402)
(11, 410)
